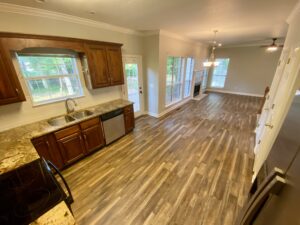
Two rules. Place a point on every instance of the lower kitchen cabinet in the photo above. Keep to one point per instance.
(129, 118)
(70, 144)
(46, 147)
(93, 137)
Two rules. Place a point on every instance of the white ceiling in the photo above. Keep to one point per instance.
(238, 21)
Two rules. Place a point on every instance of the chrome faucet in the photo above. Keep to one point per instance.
(70, 110)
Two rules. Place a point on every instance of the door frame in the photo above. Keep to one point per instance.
(139, 59)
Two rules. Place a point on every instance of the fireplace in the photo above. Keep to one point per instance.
(197, 89)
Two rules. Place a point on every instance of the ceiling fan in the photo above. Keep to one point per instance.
(272, 47)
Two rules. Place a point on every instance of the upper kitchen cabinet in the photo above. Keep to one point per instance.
(10, 88)
(104, 65)
(115, 65)
(97, 64)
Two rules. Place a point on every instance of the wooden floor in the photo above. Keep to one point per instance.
(192, 166)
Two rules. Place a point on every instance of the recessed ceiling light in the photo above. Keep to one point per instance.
(40, 1)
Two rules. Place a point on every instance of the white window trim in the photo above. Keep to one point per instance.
(55, 100)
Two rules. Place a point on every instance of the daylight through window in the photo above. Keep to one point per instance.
(220, 73)
(178, 79)
(50, 77)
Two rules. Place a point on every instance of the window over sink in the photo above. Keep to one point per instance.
(50, 77)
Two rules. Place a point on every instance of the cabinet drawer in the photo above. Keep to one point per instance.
(89, 123)
(67, 131)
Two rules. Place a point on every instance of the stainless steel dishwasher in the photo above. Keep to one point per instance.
(113, 125)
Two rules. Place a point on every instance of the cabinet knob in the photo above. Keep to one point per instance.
(17, 91)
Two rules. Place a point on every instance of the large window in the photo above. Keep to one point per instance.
(188, 76)
(50, 77)
(179, 78)
(220, 73)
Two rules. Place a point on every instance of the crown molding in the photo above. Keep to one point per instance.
(30, 11)
(295, 11)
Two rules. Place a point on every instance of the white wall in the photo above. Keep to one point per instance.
(17, 114)
(172, 46)
(151, 73)
(250, 70)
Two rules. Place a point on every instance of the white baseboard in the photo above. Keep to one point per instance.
(233, 92)
(169, 109)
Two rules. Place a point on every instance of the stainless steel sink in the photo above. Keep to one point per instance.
(81, 114)
(61, 120)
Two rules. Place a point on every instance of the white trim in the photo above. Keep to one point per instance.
(233, 92)
(293, 13)
(30, 11)
(167, 110)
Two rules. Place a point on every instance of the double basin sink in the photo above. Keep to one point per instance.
(62, 120)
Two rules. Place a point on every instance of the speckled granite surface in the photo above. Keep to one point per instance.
(59, 215)
(15, 144)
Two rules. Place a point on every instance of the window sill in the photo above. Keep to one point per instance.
(55, 101)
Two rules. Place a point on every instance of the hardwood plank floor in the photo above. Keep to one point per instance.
(192, 166)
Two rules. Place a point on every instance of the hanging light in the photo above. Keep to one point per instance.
(211, 61)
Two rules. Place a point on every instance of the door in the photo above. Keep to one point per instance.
(133, 88)
(97, 63)
(93, 138)
(129, 118)
(115, 67)
(279, 106)
(270, 96)
(71, 147)
(10, 89)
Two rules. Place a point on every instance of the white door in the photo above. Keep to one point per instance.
(270, 97)
(280, 104)
(133, 87)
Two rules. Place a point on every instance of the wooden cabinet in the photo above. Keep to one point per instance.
(92, 133)
(47, 148)
(10, 88)
(129, 118)
(97, 63)
(115, 65)
(105, 65)
(70, 144)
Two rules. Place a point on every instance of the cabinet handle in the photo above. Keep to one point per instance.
(17, 91)
(256, 203)
(47, 143)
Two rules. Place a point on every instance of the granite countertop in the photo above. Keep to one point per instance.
(16, 148)
(59, 214)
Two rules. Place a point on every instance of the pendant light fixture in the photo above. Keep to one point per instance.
(211, 61)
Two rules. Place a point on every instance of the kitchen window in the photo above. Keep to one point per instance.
(179, 78)
(50, 77)
(220, 73)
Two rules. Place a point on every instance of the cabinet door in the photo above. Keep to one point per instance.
(43, 148)
(71, 147)
(93, 138)
(10, 89)
(115, 65)
(97, 62)
(129, 118)
(47, 148)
